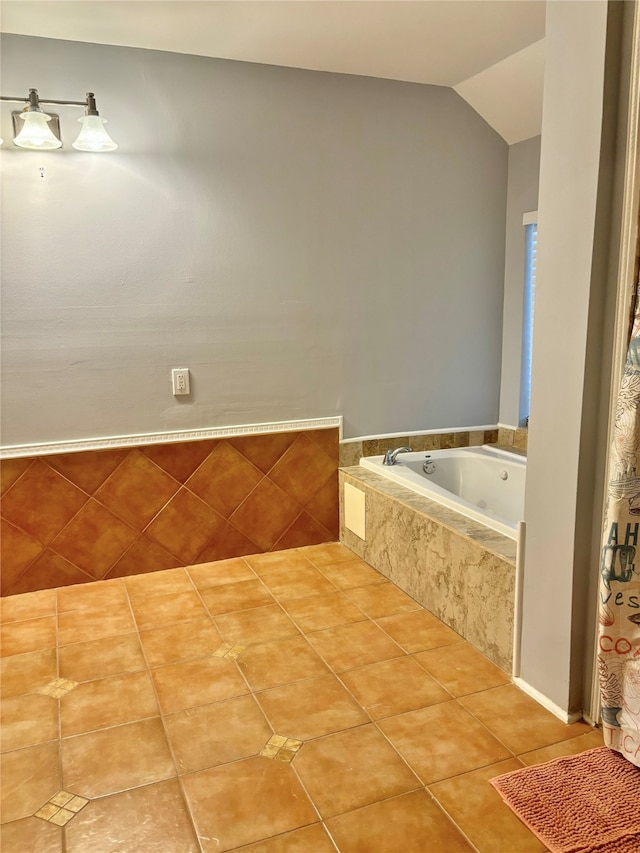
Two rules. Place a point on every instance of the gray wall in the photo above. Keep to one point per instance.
(308, 244)
(522, 197)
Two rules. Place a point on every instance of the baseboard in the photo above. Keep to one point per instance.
(543, 700)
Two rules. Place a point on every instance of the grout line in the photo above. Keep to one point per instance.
(183, 794)
(63, 834)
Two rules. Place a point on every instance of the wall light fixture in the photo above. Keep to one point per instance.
(38, 130)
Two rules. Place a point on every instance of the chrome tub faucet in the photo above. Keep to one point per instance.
(391, 456)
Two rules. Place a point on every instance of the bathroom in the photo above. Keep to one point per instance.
(312, 246)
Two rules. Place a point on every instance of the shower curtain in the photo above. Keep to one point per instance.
(619, 606)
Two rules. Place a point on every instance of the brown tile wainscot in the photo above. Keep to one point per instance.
(101, 514)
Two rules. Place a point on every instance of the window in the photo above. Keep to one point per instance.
(530, 222)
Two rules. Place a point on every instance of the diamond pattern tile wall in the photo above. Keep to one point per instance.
(73, 518)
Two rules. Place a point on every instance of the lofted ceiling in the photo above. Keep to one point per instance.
(490, 51)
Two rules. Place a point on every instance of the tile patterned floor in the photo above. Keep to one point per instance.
(291, 702)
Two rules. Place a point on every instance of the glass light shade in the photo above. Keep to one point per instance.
(93, 136)
(36, 133)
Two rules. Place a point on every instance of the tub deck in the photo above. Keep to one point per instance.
(455, 567)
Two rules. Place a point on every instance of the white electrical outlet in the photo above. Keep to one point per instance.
(180, 381)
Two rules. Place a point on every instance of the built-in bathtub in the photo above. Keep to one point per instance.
(448, 539)
(482, 483)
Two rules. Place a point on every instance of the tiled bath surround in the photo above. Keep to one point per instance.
(456, 568)
(79, 517)
(352, 451)
(516, 438)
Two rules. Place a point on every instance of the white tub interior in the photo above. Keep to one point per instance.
(482, 483)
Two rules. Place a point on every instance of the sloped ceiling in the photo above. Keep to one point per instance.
(489, 51)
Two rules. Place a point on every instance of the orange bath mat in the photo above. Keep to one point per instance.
(587, 803)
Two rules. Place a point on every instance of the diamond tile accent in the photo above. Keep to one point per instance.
(182, 459)
(94, 539)
(47, 571)
(142, 557)
(184, 526)
(42, 502)
(264, 450)
(226, 544)
(228, 650)
(57, 688)
(137, 490)
(61, 808)
(224, 479)
(87, 470)
(303, 470)
(281, 748)
(11, 470)
(266, 514)
(305, 530)
(17, 552)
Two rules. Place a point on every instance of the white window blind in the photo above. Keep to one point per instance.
(531, 247)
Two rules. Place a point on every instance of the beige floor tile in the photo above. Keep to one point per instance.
(397, 667)
(223, 803)
(323, 611)
(573, 746)
(477, 808)
(220, 573)
(301, 582)
(442, 741)
(30, 835)
(462, 669)
(182, 641)
(351, 646)
(411, 822)
(168, 609)
(348, 574)
(374, 770)
(243, 595)
(199, 682)
(25, 673)
(311, 708)
(383, 599)
(418, 631)
(258, 625)
(217, 734)
(30, 605)
(309, 839)
(262, 564)
(518, 721)
(30, 635)
(29, 777)
(83, 626)
(28, 720)
(324, 555)
(280, 662)
(108, 702)
(392, 687)
(101, 658)
(152, 819)
(167, 582)
(87, 596)
(113, 760)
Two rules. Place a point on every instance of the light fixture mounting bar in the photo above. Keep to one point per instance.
(42, 101)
